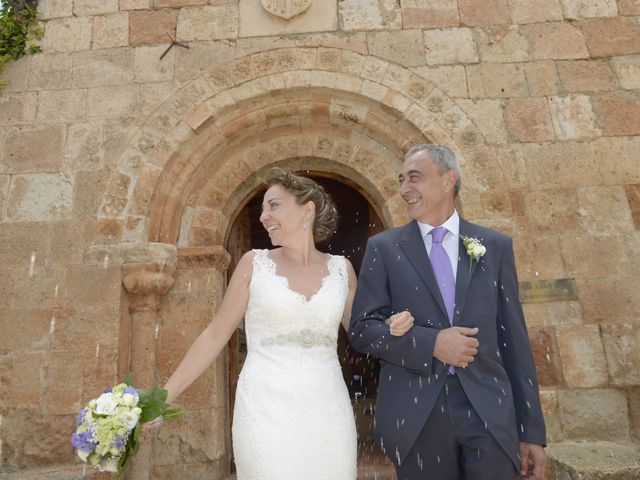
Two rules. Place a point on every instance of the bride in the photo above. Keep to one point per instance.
(293, 417)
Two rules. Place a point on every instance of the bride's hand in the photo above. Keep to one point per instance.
(400, 323)
(149, 429)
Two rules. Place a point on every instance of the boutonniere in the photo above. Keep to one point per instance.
(475, 249)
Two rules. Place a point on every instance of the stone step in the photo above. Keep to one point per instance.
(593, 461)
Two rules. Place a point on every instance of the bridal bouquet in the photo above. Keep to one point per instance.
(109, 426)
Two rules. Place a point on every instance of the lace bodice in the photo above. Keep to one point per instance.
(277, 315)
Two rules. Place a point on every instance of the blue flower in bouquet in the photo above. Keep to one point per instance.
(108, 426)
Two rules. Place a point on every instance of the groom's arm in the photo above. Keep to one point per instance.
(368, 332)
(516, 353)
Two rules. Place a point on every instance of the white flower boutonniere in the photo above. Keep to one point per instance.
(475, 249)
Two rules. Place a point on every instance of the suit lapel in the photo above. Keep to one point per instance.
(413, 247)
(466, 267)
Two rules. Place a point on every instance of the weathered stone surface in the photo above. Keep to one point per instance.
(500, 43)
(573, 117)
(629, 7)
(90, 7)
(605, 210)
(136, 4)
(405, 48)
(152, 27)
(68, 34)
(539, 212)
(208, 23)
(50, 71)
(593, 461)
(545, 354)
(634, 410)
(628, 71)
(89, 187)
(17, 108)
(583, 360)
(27, 394)
(33, 150)
(84, 147)
(619, 113)
(578, 9)
(150, 68)
(107, 67)
(25, 329)
(48, 9)
(633, 197)
(111, 30)
(369, 14)
(594, 414)
(452, 79)
(112, 101)
(40, 197)
(622, 345)
(528, 119)
(586, 75)
(178, 3)
(609, 299)
(611, 36)
(48, 440)
(487, 116)
(200, 58)
(21, 241)
(551, 412)
(555, 41)
(545, 11)
(61, 105)
(618, 159)
(542, 78)
(576, 249)
(449, 46)
(552, 313)
(16, 75)
(429, 13)
(496, 80)
(473, 13)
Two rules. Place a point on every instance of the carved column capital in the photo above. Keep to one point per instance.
(145, 288)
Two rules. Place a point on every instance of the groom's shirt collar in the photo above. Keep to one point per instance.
(452, 224)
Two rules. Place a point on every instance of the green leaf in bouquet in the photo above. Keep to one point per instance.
(129, 379)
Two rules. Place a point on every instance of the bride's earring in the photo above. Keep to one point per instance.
(305, 225)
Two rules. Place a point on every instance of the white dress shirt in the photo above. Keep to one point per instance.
(450, 242)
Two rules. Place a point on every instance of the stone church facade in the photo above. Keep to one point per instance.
(128, 168)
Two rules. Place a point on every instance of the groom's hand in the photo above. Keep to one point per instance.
(456, 346)
(400, 323)
(532, 461)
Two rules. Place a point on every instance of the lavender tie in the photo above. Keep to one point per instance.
(444, 273)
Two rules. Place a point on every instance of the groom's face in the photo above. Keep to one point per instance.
(426, 189)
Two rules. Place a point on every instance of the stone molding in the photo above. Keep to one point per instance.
(215, 257)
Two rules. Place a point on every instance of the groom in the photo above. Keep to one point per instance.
(437, 302)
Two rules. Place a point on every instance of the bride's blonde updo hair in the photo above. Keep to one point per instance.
(304, 190)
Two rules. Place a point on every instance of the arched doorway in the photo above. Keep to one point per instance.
(359, 218)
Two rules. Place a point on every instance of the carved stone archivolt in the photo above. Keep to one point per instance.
(286, 8)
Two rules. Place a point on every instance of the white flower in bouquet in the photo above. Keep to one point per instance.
(108, 427)
(105, 404)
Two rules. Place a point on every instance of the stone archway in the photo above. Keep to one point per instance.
(370, 111)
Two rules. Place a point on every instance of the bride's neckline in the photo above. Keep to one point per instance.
(302, 296)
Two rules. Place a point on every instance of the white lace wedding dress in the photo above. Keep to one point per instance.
(293, 418)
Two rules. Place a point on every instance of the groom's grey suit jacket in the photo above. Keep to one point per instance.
(501, 383)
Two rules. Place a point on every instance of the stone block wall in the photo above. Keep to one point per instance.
(103, 142)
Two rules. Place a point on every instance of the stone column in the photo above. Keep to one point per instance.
(147, 273)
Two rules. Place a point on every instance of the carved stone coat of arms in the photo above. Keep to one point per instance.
(286, 8)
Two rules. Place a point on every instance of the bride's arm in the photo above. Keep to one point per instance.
(212, 340)
(353, 282)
